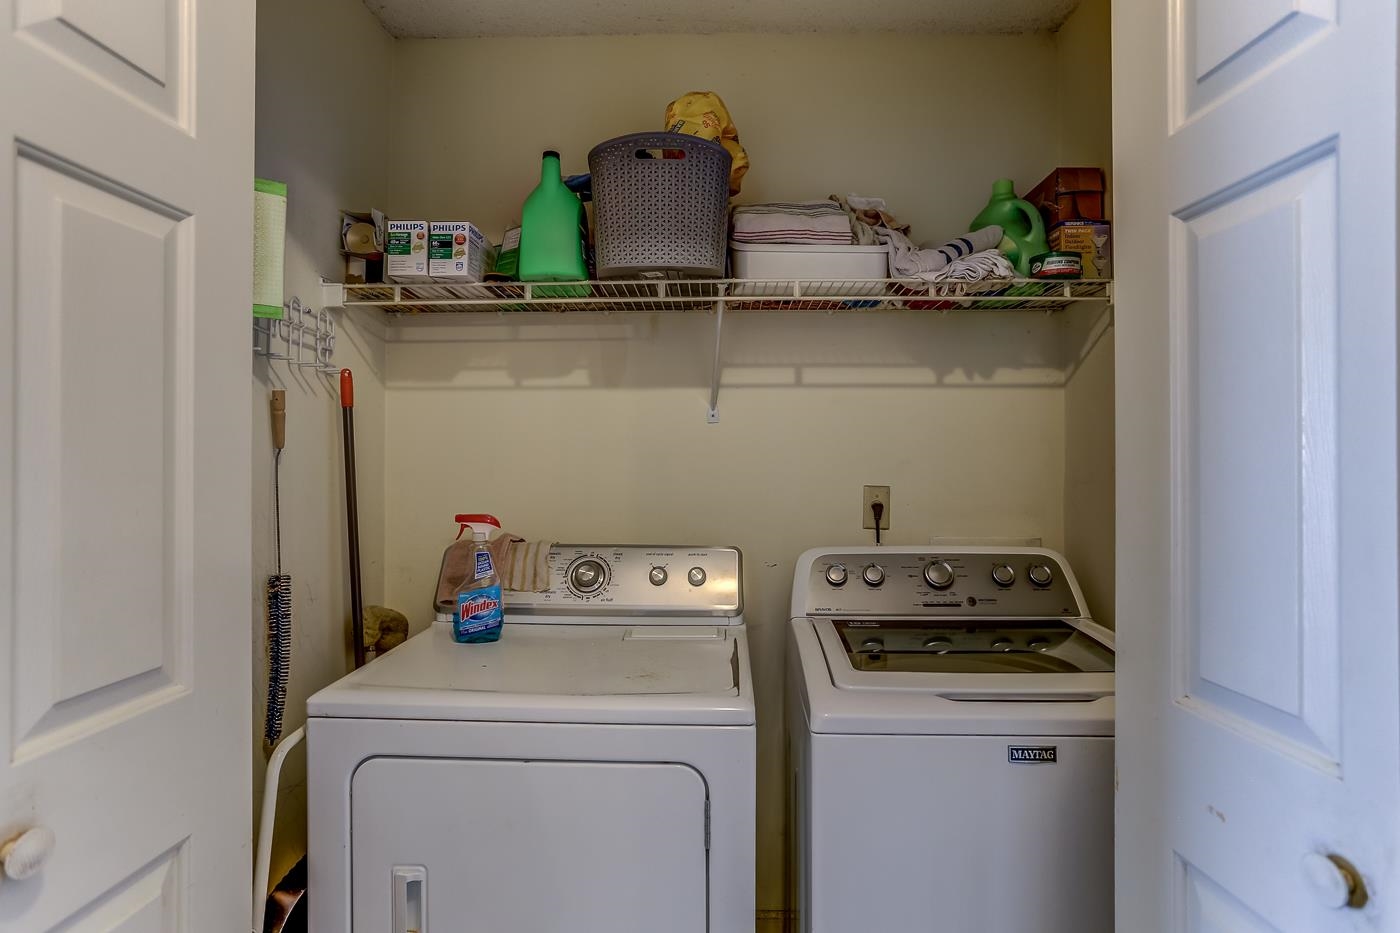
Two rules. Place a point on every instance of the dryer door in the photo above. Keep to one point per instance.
(481, 846)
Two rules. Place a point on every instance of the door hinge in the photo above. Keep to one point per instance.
(707, 825)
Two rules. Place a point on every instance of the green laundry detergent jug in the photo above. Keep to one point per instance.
(551, 231)
(1023, 230)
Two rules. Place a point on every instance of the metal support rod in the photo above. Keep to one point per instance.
(713, 416)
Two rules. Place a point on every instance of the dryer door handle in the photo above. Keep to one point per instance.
(410, 899)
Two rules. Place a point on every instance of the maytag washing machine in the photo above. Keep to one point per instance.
(950, 720)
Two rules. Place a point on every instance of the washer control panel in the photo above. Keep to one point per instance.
(905, 582)
(637, 580)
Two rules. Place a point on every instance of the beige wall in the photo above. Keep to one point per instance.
(1089, 465)
(1085, 86)
(928, 122)
(1085, 68)
(575, 431)
(309, 105)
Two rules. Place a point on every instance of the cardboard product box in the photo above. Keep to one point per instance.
(1092, 240)
(457, 251)
(362, 246)
(406, 251)
(1069, 194)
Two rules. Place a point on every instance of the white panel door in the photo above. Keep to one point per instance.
(125, 209)
(480, 846)
(1259, 664)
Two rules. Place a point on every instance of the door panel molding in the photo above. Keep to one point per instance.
(1253, 518)
(137, 50)
(105, 393)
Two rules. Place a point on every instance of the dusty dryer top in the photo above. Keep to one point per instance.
(626, 634)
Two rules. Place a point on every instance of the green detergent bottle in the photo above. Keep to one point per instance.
(1023, 232)
(551, 225)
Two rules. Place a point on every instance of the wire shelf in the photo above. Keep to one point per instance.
(732, 295)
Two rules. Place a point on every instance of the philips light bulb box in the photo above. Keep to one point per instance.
(406, 251)
(457, 252)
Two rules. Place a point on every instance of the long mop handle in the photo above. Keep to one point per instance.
(352, 514)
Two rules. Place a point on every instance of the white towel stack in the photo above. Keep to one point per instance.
(810, 222)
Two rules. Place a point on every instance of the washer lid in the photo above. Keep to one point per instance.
(974, 659)
(1020, 646)
(555, 673)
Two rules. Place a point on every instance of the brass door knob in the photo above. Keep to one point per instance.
(1335, 881)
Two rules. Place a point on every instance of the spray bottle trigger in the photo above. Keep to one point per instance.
(476, 522)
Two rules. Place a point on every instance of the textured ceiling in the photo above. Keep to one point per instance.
(456, 18)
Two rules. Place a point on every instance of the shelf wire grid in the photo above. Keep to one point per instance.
(736, 295)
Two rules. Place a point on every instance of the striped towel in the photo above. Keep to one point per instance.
(968, 258)
(523, 565)
(793, 222)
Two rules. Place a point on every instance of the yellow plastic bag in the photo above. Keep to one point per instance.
(703, 114)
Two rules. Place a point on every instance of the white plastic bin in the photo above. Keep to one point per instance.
(812, 263)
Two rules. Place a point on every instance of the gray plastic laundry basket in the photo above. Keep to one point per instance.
(656, 214)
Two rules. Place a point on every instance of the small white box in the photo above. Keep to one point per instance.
(406, 251)
(812, 264)
(821, 262)
(456, 251)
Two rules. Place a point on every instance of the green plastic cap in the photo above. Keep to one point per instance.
(1003, 186)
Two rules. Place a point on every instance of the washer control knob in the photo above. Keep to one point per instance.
(1038, 644)
(939, 643)
(1003, 644)
(657, 576)
(873, 645)
(836, 575)
(1003, 575)
(939, 575)
(1040, 575)
(873, 574)
(587, 576)
(696, 576)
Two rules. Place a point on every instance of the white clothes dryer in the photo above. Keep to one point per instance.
(950, 723)
(592, 771)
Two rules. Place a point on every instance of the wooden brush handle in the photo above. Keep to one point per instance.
(279, 418)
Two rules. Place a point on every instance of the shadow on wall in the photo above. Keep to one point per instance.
(591, 351)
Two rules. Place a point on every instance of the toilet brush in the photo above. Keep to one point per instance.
(279, 588)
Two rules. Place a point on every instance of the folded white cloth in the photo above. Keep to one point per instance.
(932, 265)
(792, 222)
(987, 264)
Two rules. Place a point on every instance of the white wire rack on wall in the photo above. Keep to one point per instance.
(711, 295)
(441, 302)
(302, 337)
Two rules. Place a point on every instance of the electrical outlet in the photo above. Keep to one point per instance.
(867, 517)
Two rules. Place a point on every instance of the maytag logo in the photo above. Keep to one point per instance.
(1032, 754)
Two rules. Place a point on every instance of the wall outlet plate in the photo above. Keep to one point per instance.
(867, 517)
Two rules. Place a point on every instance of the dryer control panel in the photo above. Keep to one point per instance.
(900, 582)
(662, 582)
